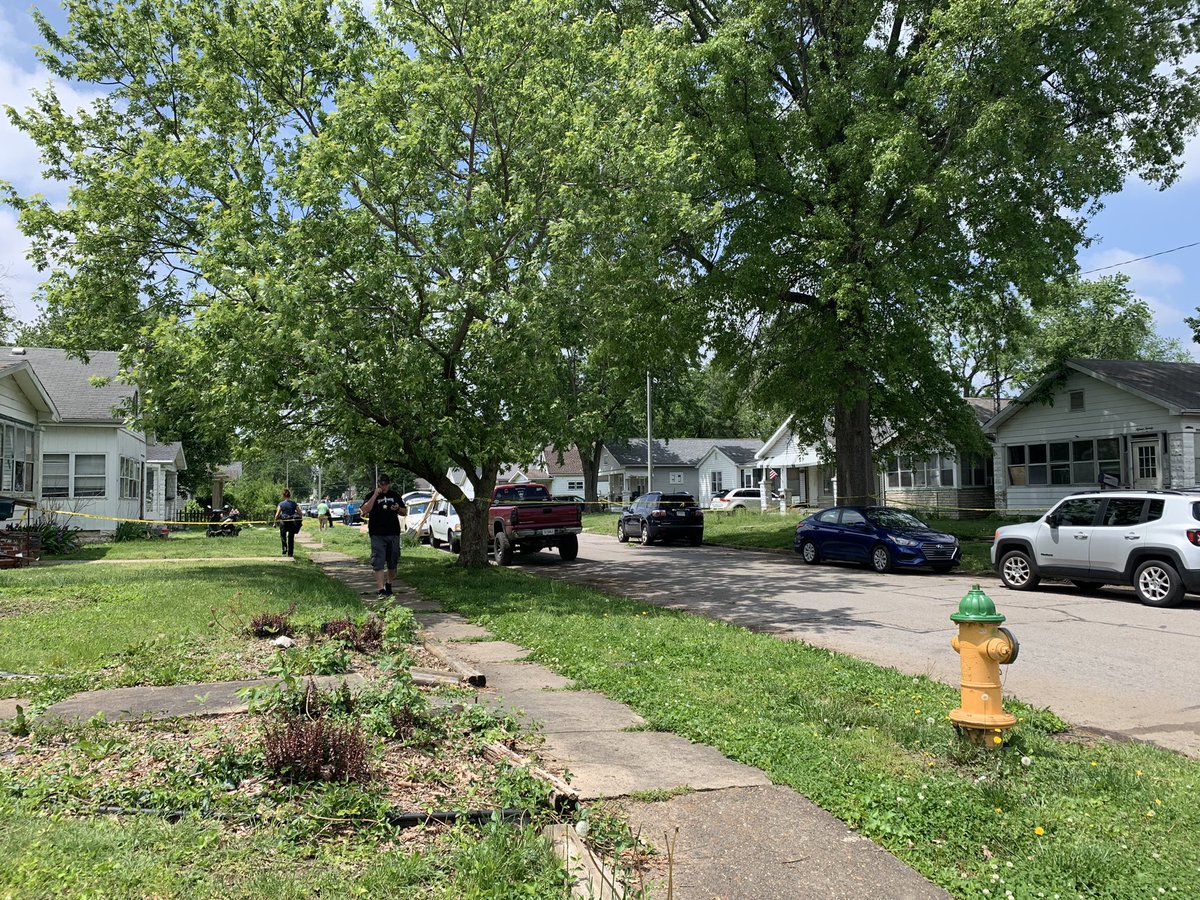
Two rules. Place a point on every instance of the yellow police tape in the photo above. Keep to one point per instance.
(66, 513)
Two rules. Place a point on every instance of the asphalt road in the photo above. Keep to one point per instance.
(1104, 661)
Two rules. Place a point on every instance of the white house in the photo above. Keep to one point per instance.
(802, 476)
(26, 408)
(164, 462)
(1111, 422)
(91, 461)
(676, 465)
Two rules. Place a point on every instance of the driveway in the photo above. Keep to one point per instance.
(1103, 661)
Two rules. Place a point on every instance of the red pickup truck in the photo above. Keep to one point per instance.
(526, 519)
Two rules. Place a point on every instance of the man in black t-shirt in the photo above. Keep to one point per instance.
(384, 509)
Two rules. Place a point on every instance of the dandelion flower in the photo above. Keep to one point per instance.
(1039, 831)
(1026, 761)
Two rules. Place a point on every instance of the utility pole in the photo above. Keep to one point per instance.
(649, 440)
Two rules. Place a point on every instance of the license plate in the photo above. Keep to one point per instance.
(547, 531)
(679, 513)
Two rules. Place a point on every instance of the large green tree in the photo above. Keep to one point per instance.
(306, 217)
(1008, 343)
(877, 161)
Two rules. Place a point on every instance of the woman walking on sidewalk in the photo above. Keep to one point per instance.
(289, 518)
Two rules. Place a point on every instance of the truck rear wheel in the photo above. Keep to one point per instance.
(504, 549)
(569, 548)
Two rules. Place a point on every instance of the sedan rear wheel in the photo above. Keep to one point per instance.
(808, 553)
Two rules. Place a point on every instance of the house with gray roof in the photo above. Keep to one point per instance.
(679, 464)
(89, 464)
(164, 462)
(1126, 423)
(26, 408)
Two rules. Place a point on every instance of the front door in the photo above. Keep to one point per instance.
(1147, 472)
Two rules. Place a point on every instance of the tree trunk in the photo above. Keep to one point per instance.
(857, 482)
(472, 514)
(591, 470)
(473, 543)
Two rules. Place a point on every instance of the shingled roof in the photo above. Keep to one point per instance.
(681, 451)
(68, 382)
(1173, 384)
(572, 464)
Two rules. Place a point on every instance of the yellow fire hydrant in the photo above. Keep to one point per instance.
(982, 646)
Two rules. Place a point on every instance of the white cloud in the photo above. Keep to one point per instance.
(18, 278)
(20, 75)
(1143, 274)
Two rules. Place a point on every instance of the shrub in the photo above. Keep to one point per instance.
(365, 636)
(399, 629)
(392, 711)
(271, 624)
(130, 531)
(54, 539)
(300, 748)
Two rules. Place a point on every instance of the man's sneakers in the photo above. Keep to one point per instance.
(387, 586)
(382, 594)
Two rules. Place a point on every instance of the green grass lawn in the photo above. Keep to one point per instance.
(90, 626)
(258, 540)
(1048, 813)
(51, 857)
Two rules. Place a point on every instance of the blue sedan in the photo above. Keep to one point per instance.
(879, 536)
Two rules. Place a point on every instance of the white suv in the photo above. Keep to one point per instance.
(741, 498)
(1147, 539)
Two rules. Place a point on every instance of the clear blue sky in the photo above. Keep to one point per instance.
(1139, 221)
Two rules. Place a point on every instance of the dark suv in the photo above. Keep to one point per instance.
(1147, 539)
(658, 516)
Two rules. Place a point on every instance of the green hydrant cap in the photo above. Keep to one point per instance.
(976, 607)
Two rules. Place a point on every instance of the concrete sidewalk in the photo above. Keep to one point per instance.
(739, 836)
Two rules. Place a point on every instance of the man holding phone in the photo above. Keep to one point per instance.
(384, 509)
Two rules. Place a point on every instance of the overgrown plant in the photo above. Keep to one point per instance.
(130, 531)
(364, 635)
(272, 624)
(55, 539)
(302, 748)
(399, 629)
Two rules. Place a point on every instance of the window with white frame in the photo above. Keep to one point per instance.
(748, 478)
(130, 480)
(16, 457)
(574, 485)
(56, 475)
(90, 475)
(675, 478)
(714, 482)
(151, 482)
(1064, 462)
(927, 472)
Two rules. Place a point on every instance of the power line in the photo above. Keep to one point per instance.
(1140, 258)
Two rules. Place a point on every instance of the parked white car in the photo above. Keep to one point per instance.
(741, 498)
(413, 523)
(444, 526)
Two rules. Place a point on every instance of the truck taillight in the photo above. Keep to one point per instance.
(512, 517)
(1193, 535)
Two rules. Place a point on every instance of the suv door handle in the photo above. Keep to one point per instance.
(1081, 537)
(1133, 537)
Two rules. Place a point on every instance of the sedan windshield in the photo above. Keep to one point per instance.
(885, 517)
